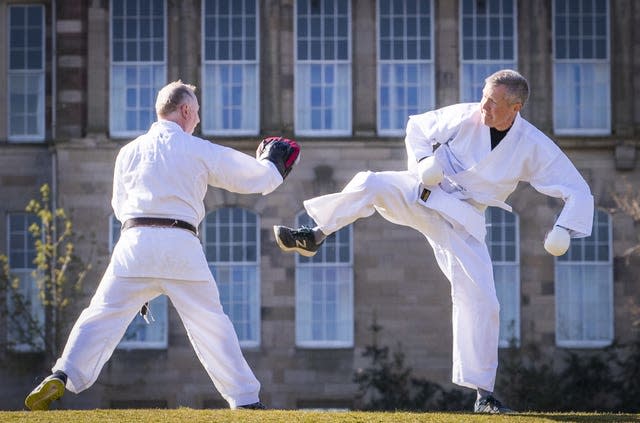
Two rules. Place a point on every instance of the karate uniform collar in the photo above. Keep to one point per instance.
(167, 124)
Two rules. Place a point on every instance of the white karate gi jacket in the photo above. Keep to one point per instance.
(487, 177)
(452, 218)
(165, 173)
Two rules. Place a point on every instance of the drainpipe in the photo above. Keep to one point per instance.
(54, 99)
(53, 147)
(54, 69)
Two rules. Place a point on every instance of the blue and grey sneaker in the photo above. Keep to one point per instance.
(255, 406)
(490, 405)
(49, 390)
(302, 240)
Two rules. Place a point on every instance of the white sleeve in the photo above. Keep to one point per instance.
(416, 142)
(560, 179)
(238, 172)
(434, 127)
(119, 193)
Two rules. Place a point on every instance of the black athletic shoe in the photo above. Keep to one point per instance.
(51, 388)
(490, 405)
(300, 240)
(255, 406)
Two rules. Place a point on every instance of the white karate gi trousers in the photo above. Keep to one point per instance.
(101, 326)
(463, 259)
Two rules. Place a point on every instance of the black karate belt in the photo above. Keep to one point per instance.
(159, 222)
(424, 194)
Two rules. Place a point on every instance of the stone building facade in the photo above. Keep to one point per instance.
(391, 274)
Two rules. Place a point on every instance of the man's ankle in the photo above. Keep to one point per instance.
(318, 235)
(61, 375)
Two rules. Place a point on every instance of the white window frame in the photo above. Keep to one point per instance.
(27, 75)
(138, 328)
(320, 263)
(149, 75)
(249, 290)
(593, 82)
(600, 295)
(28, 285)
(311, 76)
(403, 77)
(215, 110)
(474, 71)
(506, 272)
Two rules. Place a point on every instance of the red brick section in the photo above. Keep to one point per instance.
(71, 41)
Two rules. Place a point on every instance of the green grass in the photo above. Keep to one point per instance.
(188, 415)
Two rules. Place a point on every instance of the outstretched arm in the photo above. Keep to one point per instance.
(561, 179)
(238, 172)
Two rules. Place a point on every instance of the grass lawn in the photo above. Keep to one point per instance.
(182, 415)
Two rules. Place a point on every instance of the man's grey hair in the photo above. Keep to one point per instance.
(172, 95)
(516, 85)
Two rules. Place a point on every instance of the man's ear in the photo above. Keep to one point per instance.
(184, 110)
(517, 107)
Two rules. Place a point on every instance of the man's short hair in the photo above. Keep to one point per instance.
(516, 84)
(172, 95)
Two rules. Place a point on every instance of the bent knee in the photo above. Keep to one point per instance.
(361, 181)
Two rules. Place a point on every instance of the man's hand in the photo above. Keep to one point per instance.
(557, 241)
(430, 171)
(282, 152)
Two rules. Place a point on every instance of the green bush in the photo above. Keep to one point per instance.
(587, 380)
(387, 384)
(528, 380)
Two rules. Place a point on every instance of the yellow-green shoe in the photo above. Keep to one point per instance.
(44, 394)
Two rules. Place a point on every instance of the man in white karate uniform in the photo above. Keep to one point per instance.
(160, 182)
(483, 151)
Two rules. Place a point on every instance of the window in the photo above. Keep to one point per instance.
(405, 62)
(26, 73)
(503, 240)
(584, 289)
(488, 32)
(323, 68)
(230, 67)
(231, 238)
(324, 292)
(582, 73)
(140, 334)
(138, 64)
(22, 253)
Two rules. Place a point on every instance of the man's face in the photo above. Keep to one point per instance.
(495, 108)
(190, 111)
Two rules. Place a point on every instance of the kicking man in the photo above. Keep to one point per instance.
(483, 151)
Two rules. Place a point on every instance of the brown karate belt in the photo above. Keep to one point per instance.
(159, 222)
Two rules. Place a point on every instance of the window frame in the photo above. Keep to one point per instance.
(257, 294)
(161, 67)
(429, 64)
(515, 264)
(608, 267)
(308, 262)
(25, 274)
(606, 63)
(209, 104)
(346, 65)
(41, 112)
(484, 67)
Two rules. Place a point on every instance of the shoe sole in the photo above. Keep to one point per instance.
(41, 397)
(298, 250)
